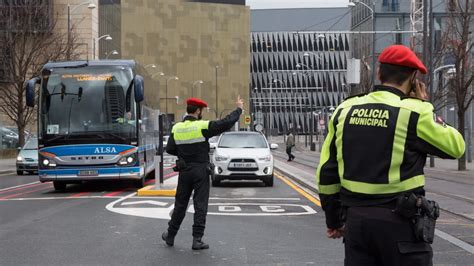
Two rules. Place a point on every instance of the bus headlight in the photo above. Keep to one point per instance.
(46, 161)
(128, 160)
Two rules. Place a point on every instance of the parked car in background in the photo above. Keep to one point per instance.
(27, 159)
(243, 155)
(9, 139)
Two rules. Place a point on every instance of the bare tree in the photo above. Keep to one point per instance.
(28, 39)
(459, 48)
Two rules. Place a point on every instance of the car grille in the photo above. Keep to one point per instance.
(29, 160)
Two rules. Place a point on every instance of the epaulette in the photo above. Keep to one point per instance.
(356, 95)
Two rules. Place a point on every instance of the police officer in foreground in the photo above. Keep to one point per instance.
(189, 141)
(370, 174)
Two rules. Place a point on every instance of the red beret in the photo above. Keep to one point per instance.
(401, 56)
(196, 102)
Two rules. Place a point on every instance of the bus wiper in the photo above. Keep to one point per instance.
(224, 147)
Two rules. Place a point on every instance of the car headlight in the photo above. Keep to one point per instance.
(19, 159)
(267, 158)
(220, 158)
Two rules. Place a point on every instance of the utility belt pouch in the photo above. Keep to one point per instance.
(406, 205)
(425, 221)
(422, 212)
(180, 165)
(210, 168)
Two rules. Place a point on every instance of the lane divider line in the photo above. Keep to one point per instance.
(78, 195)
(8, 189)
(27, 192)
(298, 189)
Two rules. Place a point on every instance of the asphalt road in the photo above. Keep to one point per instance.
(105, 223)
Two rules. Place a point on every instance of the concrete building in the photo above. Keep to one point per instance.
(193, 40)
(298, 67)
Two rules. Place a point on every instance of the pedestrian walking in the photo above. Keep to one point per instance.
(290, 143)
(189, 141)
(370, 175)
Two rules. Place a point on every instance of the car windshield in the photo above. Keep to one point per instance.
(242, 141)
(32, 144)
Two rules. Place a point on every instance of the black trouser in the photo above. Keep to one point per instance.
(288, 151)
(194, 177)
(378, 236)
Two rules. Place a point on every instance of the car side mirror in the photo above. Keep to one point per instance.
(273, 146)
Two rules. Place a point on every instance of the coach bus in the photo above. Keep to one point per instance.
(93, 123)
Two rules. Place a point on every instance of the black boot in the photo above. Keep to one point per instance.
(168, 238)
(198, 244)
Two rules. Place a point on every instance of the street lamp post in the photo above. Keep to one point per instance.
(372, 16)
(217, 100)
(94, 41)
(271, 105)
(90, 6)
(194, 84)
(113, 52)
(150, 65)
(166, 100)
(311, 125)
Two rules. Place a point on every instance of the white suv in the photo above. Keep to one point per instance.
(243, 155)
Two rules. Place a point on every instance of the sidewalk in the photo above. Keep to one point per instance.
(305, 174)
(7, 165)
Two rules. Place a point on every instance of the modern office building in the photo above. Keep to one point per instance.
(298, 67)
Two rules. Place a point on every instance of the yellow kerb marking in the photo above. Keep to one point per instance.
(299, 190)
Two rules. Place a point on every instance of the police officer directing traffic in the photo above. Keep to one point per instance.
(189, 141)
(370, 175)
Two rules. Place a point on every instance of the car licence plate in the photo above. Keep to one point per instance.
(88, 173)
(243, 165)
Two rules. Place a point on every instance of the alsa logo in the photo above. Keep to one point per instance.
(105, 150)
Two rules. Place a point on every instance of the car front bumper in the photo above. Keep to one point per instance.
(221, 171)
(26, 166)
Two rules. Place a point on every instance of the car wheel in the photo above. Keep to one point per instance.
(18, 172)
(59, 186)
(269, 181)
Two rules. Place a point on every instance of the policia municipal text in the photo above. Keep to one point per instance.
(189, 141)
(370, 174)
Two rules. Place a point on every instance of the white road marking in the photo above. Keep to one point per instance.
(458, 242)
(62, 198)
(156, 213)
(22, 185)
(307, 210)
(289, 199)
(152, 202)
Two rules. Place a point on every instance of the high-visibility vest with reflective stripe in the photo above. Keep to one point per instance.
(189, 132)
(377, 145)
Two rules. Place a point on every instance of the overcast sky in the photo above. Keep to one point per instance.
(269, 4)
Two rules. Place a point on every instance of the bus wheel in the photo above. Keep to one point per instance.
(140, 183)
(59, 185)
